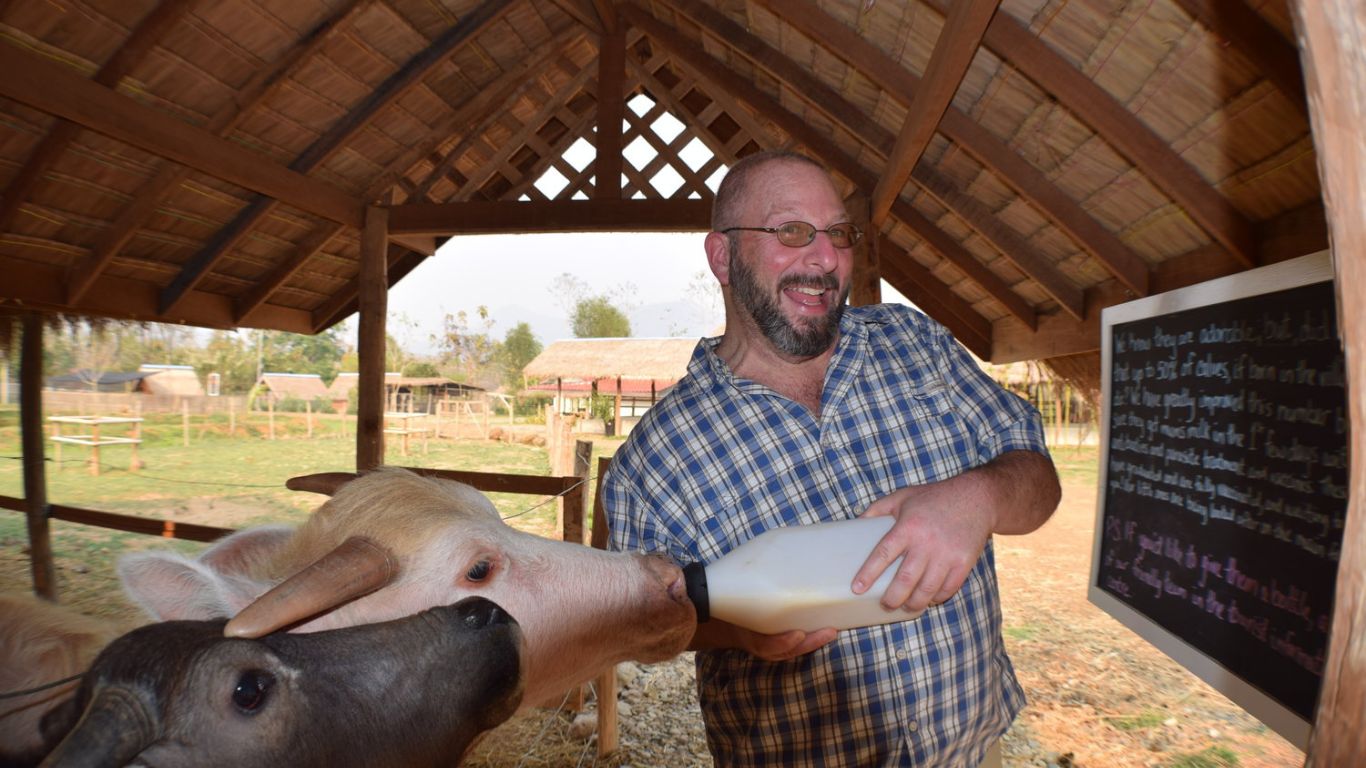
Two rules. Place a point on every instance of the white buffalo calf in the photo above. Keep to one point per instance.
(391, 543)
(39, 643)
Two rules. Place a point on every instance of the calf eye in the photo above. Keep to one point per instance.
(479, 572)
(253, 688)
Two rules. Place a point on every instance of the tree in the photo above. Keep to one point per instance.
(420, 369)
(472, 351)
(520, 347)
(233, 357)
(596, 318)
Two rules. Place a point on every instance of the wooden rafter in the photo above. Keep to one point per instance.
(54, 89)
(990, 151)
(263, 84)
(953, 53)
(152, 28)
(1257, 40)
(921, 286)
(513, 143)
(723, 80)
(407, 77)
(1152, 156)
(539, 216)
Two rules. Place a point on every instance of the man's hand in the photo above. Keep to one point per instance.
(716, 634)
(942, 528)
(940, 531)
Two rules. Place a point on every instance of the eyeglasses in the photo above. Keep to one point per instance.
(796, 234)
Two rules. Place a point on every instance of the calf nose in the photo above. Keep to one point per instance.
(478, 612)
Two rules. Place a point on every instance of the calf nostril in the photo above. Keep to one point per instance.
(479, 612)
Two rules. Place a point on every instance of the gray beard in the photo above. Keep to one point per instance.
(814, 338)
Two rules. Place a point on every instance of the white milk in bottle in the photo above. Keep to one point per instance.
(796, 577)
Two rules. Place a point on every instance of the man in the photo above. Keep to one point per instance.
(805, 411)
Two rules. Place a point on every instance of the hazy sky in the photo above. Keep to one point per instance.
(661, 281)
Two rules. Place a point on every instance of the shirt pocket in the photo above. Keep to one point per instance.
(939, 434)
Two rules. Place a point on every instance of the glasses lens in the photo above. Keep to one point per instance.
(844, 235)
(795, 234)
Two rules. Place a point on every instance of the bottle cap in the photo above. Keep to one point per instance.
(695, 580)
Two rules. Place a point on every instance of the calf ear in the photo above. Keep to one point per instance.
(246, 552)
(169, 587)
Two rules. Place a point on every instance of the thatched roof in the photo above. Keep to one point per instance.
(304, 386)
(661, 360)
(171, 380)
(1025, 166)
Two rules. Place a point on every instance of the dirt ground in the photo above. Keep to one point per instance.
(1099, 696)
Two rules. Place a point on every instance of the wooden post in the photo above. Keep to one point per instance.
(270, 417)
(232, 417)
(56, 444)
(1335, 72)
(136, 463)
(616, 412)
(31, 436)
(308, 416)
(374, 306)
(607, 681)
(866, 282)
(185, 423)
(611, 101)
(576, 499)
(95, 449)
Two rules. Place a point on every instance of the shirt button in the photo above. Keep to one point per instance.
(901, 655)
(913, 726)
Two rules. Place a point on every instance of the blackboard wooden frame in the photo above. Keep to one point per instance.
(1295, 273)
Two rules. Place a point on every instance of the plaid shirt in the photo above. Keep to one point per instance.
(721, 459)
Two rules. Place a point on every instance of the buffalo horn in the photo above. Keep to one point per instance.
(325, 483)
(358, 566)
(114, 729)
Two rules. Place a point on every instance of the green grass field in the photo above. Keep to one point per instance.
(225, 479)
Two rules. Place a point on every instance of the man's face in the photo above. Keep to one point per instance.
(795, 296)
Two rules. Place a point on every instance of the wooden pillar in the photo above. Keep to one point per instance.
(611, 101)
(866, 281)
(608, 727)
(31, 437)
(374, 306)
(616, 411)
(1335, 72)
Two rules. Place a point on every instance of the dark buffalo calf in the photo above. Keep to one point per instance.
(410, 692)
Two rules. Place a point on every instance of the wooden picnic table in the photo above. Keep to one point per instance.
(403, 425)
(94, 440)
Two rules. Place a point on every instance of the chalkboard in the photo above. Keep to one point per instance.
(1224, 481)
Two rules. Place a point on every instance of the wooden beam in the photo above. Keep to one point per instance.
(1149, 153)
(394, 87)
(994, 154)
(264, 83)
(866, 280)
(1257, 41)
(937, 300)
(307, 248)
(150, 29)
(493, 217)
(346, 302)
(33, 438)
(1335, 70)
(370, 344)
(42, 286)
(56, 90)
(953, 52)
(488, 106)
(719, 78)
(611, 102)
(1006, 240)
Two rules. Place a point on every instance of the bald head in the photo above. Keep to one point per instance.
(727, 209)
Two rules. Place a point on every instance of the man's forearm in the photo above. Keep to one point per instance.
(1022, 487)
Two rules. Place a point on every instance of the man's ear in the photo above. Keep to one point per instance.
(717, 246)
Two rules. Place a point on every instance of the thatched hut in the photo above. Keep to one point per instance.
(275, 388)
(634, 372)
(174, 380)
